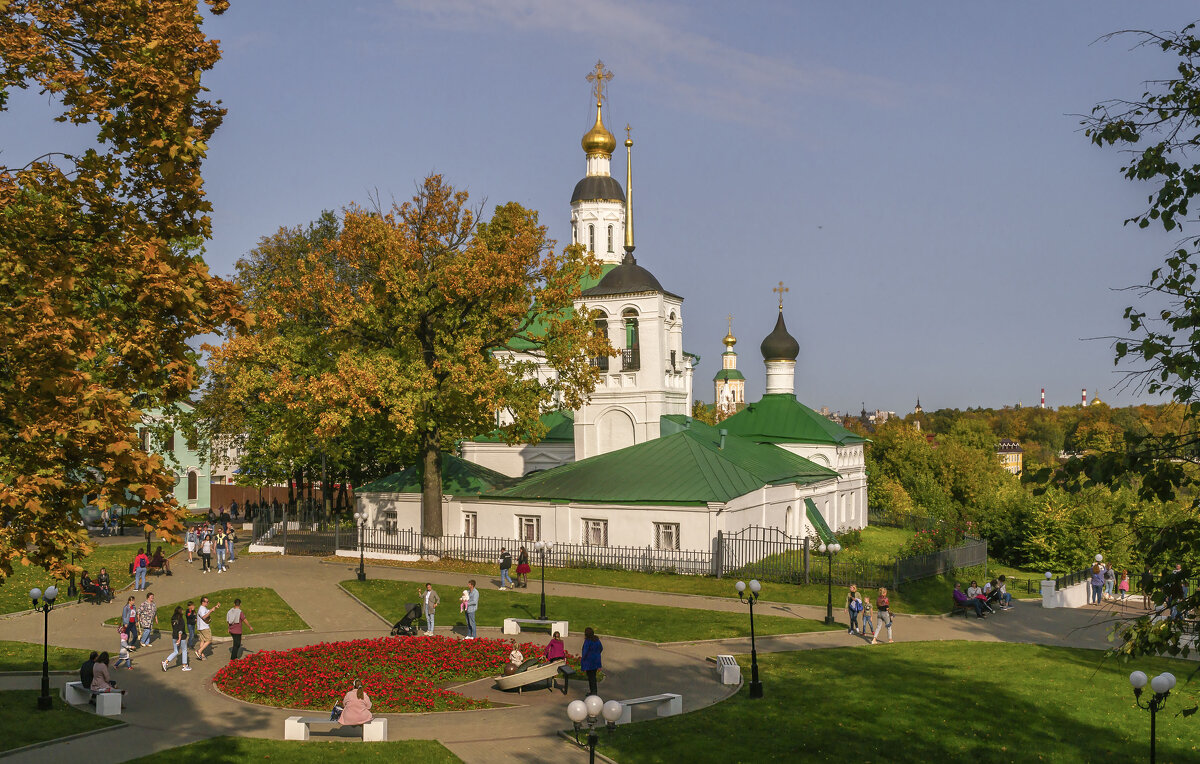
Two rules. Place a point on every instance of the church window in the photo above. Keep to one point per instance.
(666, 536)
(529, 528)
(193, 486)
(631, 354)
(601, 361)
(591, 238)
(471, 524)
(144, 434)
(171, 443)
(574, 233)
(610, 249)
(595, 532)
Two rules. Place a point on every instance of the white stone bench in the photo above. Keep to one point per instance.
(107, 703)
(728, 669)
(296, 728)
(669, 704)
(513, 625)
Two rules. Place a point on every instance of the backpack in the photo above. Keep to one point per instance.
(856, 606)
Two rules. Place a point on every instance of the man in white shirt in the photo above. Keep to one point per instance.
(203, 631)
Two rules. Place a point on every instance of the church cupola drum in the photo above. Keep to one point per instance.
(779, 351)
(598, 202)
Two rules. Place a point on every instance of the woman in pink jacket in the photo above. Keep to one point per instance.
(356, 706)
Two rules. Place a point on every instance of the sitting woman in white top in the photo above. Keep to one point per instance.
(356, 706)
(515, 659)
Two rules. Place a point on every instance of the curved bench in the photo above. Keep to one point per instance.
(531, 675)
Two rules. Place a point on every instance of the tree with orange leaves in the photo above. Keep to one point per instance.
(410, 318)
(99, 288)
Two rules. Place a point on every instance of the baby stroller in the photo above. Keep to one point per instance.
(407, 626)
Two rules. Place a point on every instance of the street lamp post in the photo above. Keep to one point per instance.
(44, 601)
(829, 550)
(586, 714)
(542, 548)
(361, 517)
(756, 689)
(1161, 686)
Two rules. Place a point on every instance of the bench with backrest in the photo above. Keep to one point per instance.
(667, 703)
(530, 672)
(296, 728)
(960, 607)
(107, 703)
(513, 625)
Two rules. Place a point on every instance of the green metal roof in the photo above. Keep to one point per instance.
(818, 522)
(728, 374)
(459, 478)
(560, 428)
(780, 418)
(532, 337)
(687, 467)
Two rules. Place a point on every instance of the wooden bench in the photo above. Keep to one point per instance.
(530, 673)
(668, 703)
(296, 728)
(513, 625)
(728, 669)
(959, 607)
(107, 703)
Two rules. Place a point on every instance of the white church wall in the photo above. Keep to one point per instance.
(520, 459)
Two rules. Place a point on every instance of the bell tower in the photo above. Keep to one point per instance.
(598, 202)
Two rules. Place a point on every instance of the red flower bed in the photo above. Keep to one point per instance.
(400, 674)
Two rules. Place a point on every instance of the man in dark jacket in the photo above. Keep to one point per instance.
(505, 564)
(85, 671)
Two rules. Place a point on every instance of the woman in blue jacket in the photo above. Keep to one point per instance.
(590, 661)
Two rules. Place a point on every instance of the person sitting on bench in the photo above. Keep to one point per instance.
(88, 587)
(105, 584)
(101, 682)
(556, 650)
(159, 562)
(963, 600)
(356, 706)
(85, 671)
(515, 659)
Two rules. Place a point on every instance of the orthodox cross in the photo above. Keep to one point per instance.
(780, 290)
(729, 318)
(599, 78)
(627, 129)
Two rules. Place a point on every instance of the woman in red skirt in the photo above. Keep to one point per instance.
(523, 567)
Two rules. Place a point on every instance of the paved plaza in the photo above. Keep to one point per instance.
(165, 710)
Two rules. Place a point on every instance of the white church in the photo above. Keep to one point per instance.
(630, 467)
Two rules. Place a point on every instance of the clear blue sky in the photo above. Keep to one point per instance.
(912, 171)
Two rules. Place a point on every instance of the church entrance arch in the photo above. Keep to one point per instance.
(614, 430)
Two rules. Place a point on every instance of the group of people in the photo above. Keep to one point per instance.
(523, 569)
(190, 629)
(859, 608)
(94, 673)
(99, 587)
(1105, 583)
(209, 539)
(982, 598)
(589, 661)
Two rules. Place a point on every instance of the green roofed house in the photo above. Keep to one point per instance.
(395, 501)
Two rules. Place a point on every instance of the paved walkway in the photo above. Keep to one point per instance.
(167, 710)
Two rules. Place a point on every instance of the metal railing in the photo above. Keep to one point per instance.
(631, 359)
(1070, 579)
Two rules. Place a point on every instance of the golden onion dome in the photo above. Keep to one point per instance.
(598, 140)
(729, 341)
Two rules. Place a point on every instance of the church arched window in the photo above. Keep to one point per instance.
(631, 354)
(591, 238)
(574, 233)
(610, 249)
(600, 320)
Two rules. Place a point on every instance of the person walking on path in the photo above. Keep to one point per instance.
(523, 568)
(140, 564)
(205, 550)
(104, 521)
(178, 640)
(590, 660)
(1146, 584)
(219, 543)
(230, 539)
(505, 564)
(472, 607)
(356, 706)
(883, 611)
(855, 607)
(147, 618)
(189, 617)
(129, 620)
(1123, 586)
(853, 617)
(868, 626)
(1096, 584)
(1110, 581)
(236, 620)
(429, 607)
(190, 540)
(203, 631)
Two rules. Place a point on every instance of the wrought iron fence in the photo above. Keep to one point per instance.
(1077, 577)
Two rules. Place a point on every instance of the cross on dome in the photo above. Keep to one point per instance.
(599, 77)
(780, 290)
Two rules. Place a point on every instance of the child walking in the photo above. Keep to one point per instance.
(123, 656)
(1123, 587)
(868, 626)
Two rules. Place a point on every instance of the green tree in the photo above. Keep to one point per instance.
(100, 286)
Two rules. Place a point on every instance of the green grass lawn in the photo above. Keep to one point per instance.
(27, 656)
(923, 702)
(23, 723)
(648, 622)
(880, 544)
(14, 590)
(238, 750)
(265, 610)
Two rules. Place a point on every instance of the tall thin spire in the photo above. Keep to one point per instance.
(628, 191)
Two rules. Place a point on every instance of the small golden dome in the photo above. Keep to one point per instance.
(598, 140)
(729, 340)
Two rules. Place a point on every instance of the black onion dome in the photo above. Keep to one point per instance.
(779, 345)
(598, 187)
(626, 278)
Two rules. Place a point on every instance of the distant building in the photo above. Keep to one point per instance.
(729, 385)
(1012, 456)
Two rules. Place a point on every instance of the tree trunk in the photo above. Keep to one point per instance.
(431, 488)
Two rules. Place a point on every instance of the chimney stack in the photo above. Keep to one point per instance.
(1084, 396)
(1043, 398)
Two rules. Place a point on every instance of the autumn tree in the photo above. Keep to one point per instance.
(419, 324)
(99, 293)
